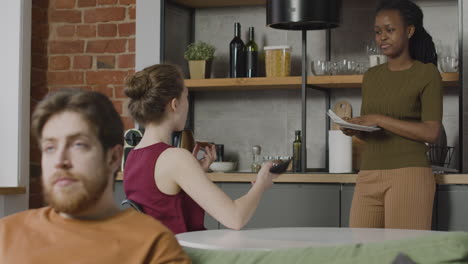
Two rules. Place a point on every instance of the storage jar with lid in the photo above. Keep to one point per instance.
(277, 61)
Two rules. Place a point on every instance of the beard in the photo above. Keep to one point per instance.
(78, 197)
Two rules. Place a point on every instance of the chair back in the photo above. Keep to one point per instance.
(133, 204)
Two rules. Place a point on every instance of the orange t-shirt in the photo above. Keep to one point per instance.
(43, 236)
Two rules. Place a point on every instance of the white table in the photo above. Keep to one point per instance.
(291, 237)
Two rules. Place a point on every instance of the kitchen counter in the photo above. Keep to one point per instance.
(12, 190)
(315, 177)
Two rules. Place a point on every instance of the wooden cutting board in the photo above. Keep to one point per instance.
(341, 109)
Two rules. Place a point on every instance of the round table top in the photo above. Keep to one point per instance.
(291, 237)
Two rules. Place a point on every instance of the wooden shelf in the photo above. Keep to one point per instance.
(12, 190)
(263, 83)
(287, 177)
(315, 177)
(450, 79)
(236, 84)
(218, 3)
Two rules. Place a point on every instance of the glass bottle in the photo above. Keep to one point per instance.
(251, 55)
(297, 146)
(236, 54)
(256, 162)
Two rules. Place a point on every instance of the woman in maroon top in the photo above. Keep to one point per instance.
(170, 183)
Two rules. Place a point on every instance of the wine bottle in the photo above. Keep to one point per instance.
(251, 55)
(297, 146)
(236, 54)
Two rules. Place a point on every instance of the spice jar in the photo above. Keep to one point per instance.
(256, 162)
(278, 61)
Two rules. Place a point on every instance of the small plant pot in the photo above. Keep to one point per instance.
(200, 69)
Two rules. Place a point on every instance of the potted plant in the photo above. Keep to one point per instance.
(200, 56)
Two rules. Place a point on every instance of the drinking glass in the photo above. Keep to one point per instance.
(448, 64)
(319, 67)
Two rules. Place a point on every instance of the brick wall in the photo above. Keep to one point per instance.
(92, 45)
(88, 44)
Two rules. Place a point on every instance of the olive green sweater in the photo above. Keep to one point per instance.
(413, 95)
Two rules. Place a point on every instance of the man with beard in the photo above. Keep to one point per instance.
(81, 135)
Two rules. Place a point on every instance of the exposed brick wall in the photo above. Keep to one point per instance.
(92, 45)
(88, 44)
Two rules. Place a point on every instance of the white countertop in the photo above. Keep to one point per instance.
(291, 237)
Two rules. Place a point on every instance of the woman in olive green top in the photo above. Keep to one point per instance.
(395, 187)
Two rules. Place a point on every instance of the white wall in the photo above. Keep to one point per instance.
(148, 33)
(15, 25)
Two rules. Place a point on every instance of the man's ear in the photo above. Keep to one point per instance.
(114, 157)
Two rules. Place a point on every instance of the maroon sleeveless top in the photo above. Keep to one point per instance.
(178, 212)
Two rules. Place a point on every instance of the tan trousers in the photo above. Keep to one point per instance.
(398, 198)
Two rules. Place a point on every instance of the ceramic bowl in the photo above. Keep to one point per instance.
(223, 166)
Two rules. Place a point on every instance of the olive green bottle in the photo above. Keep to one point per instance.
(251, 55)
(297, 146)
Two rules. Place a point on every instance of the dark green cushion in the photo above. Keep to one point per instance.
(449, 247)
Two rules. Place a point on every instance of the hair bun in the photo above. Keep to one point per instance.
(137, 85)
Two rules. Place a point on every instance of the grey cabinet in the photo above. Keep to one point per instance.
(210, 222)
(452, 207)
(347, 191)
(327, 205)
(292, 205)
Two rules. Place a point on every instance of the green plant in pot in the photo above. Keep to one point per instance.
(200, 57)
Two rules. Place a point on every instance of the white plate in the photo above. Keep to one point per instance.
(345, 124)
(223, 166)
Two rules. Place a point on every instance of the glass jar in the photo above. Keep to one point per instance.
(256, 162)
(277, 61)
